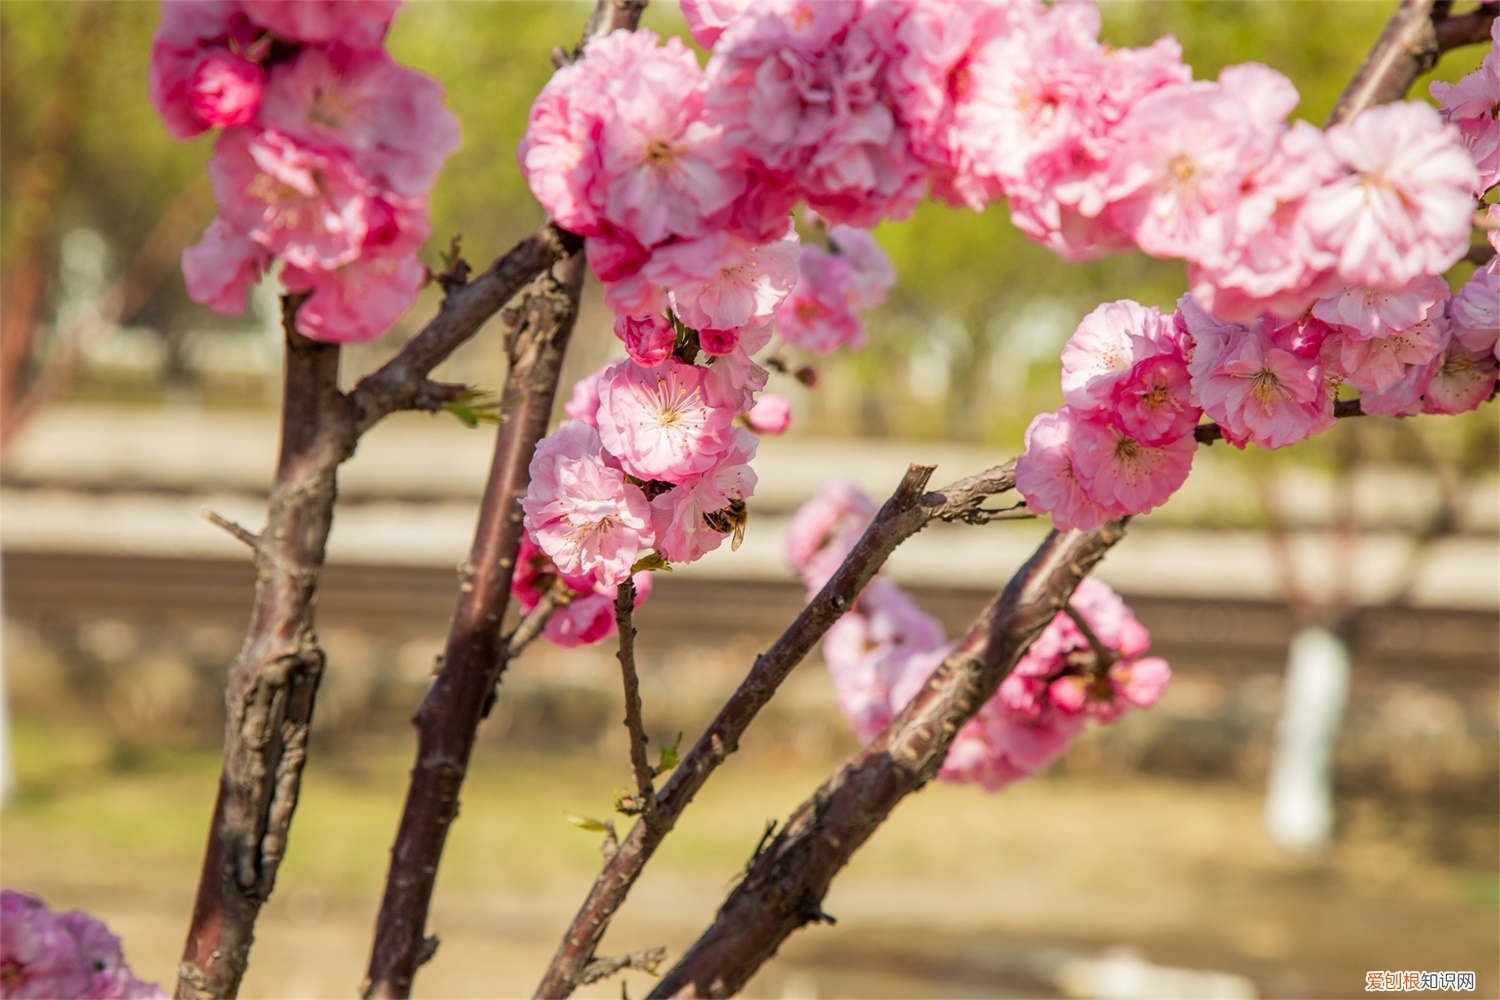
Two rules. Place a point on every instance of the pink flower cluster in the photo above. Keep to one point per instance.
(883, 650)
(45, 955)
(328, 151)
(1135, 384)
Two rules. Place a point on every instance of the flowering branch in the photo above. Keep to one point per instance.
(908, 510)
(784, 885)
(1417, 34)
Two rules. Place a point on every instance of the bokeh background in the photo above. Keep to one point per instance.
(1140, 865)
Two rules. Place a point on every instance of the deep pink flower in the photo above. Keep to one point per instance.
(225, 88)
(389, 118)
(1154, 403)
(585, 609)
(1106, 347)
(1403, 208)
(357, 23)
(1124, 475)
(191, 32)
(659, 422)
(581, 511)
(647, 339)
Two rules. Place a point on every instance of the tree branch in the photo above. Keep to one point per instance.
(271, 686)
(449, 715)
(645, 794)
(784, 885)
(1343, 409)
(908, 510)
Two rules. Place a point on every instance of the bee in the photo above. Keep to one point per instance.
(731, 521)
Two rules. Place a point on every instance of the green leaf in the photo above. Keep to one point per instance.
(651, 562)
(589, 823)
(669, 756)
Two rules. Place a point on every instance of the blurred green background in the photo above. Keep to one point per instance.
(122, 608)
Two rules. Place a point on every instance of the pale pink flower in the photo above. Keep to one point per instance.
(870, 649)
(1376, 364)
(1258, 390)
(802, 97)
(1403, 208)
(684, 515)
(390, 118)
(1461, 378)
(1474, 313)
(357, 23)
(356, 302)
(707, 19)
(871, 271)
(1367, 313)
(220, 268)
(771, 414)
(734, 379)
(583, 404)
(310, 208)
(647, 339)
(659, 422)
(819, 315)
(1047, 474)
(824, 529)
(1473, 106)
(1178, 160)
(581, 511)
(225, 88)
(722, 281)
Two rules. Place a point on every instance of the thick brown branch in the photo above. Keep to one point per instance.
(272, 684)
(907, 511)
(645, 793)
(784, 885)
(449, 715)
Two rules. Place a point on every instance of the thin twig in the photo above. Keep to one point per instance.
(235, 528)
(1343, 409)
(645, 793)
(787, 880)
(907, 511)
(1103, 655)
(647, 960)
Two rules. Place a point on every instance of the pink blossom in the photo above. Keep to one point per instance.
(310, 208)
(1047, 472)
(1178, 160)
(1375, 364)
(734, 379)
(1369, 313)
(717, 343)
(1461, 378)
(1124, 475)
(1473, 106)
(870, 650)
(659, 422)
(722, 282)
(583, 404)
(870, 270)
(1154, 404)
(357, 23)
(44, 955)
(1105, 348)
(191, 33)
(388, 117)
(581, 511)
(648, 339)
(707, 19)
(819, 314)
(828, 523)
(585, 610)
(1474, 313)
(225, 88)
(1403, 208)
(222, 266)
(1258, 389)
(771, 414)
(356, 302)
(690, 517)
(802, 97)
